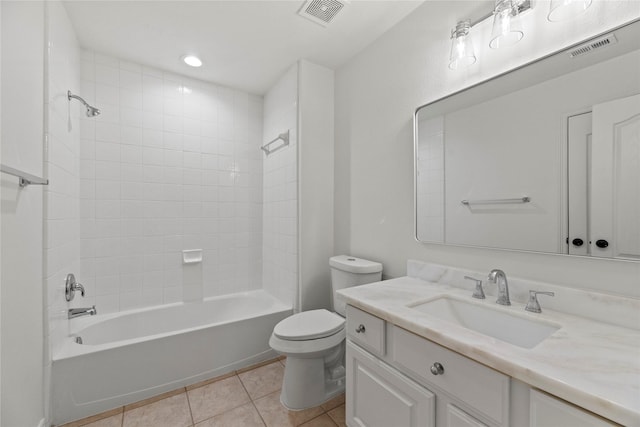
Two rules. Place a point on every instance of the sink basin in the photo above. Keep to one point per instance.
(516, 330)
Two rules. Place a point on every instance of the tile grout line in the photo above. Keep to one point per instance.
(259, 414)
(253, 402)
(186, 392)
(324, 413)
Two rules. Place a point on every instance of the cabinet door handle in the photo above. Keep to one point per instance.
(360, 328)
(437, 368)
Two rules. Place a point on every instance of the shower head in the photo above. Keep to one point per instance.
(91, 111)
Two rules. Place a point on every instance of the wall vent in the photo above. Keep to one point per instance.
(598, 43)
(321, 11)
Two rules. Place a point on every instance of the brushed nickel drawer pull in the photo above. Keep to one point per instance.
(437, 368)
(360, 328)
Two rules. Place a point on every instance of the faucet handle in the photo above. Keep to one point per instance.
(533, 305)
(71, 286)
(478, 292)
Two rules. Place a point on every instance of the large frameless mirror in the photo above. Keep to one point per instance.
(544, 158)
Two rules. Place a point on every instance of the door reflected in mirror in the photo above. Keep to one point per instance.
(545, 158)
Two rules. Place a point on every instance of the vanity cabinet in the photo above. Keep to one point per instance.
(398, 379)
(393, 379)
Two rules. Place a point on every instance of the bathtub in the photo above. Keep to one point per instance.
(129, 356)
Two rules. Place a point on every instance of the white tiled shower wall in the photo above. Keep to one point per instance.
(62, 230)
(280, 269)
(171, 164)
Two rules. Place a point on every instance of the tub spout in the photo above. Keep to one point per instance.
(86, 311)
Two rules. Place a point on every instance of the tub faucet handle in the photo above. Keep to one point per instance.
(71, 286)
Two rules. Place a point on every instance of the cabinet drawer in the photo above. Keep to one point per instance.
(480, 387)
(365, 329)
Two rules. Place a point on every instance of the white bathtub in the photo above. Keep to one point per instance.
(129, 356)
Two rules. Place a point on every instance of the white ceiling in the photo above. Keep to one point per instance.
(243, 44)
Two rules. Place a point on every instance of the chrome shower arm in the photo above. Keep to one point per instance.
(91, 111)
(70, 95)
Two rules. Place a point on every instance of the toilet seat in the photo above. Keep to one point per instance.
(309, 325)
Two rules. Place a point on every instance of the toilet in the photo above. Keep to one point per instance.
(314, 340)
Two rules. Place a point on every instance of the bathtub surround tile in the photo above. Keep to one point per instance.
(276, 415)
(263, 380)
(216, 398)
(151, 151)
(169, 412)
(243, 416)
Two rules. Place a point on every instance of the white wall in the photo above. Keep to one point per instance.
(171, 164)
(280, 191)
(315, 183)
(376, 95)
(62, 124)
(0, 217)
(298, 184)
(22, 213)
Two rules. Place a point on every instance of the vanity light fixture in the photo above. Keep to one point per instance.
(561, 10)
(192, 60)
(462, 53)
(506, 30)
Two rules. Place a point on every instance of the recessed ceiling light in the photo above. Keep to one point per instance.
(192, 60)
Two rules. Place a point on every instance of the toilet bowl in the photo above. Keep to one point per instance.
(314, 340)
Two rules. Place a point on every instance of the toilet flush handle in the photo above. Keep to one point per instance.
(360, 328)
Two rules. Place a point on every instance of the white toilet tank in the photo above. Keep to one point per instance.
(347, 271)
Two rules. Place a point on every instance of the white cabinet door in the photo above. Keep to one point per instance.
(456, 417)
(547, 411)
(579, 169)
(379, 396)
(615, 179)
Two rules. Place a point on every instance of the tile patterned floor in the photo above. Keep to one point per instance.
(247, 398)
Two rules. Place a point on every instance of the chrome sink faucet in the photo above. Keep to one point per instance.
(499, 278)
(86, 311)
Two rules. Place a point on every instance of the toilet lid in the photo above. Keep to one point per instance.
(309, 325)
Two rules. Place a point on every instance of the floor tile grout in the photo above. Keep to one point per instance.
(193, 421)
(251, 399)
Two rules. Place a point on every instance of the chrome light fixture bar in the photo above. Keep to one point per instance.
(506, 31)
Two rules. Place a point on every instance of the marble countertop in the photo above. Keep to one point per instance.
(589, 363)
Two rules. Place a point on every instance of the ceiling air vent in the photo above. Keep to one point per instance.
(598, 43)
(321, 11)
